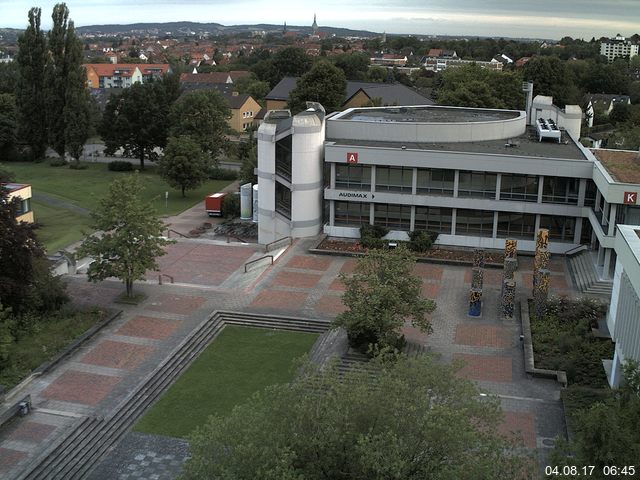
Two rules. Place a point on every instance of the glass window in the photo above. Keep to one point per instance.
(353, 177)
(560, 190)
(351, 214)
(435, 181)
(477, 223)
(516, 225)
(434, 219)
(395, 217)
(560, 228)
(519, 187)
(283, 200)
(394, 179)
(590, 194)
(283, 157)
(477, 184)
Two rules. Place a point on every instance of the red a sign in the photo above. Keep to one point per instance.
(352, 157)
(630, 198)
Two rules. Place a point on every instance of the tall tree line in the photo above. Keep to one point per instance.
(52, 102)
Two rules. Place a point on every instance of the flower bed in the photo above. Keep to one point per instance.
(354, 246)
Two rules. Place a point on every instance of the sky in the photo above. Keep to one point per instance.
(498, 18)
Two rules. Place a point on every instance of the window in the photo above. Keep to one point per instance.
(590, 194)
(474, 223)
(519, 187)
(351, 214)
(353, 177)
(283, 157)
(394, 179)
(560, 228)
(435, 181)
(24, 206)
(434, 219)
(516, 225)
(560, 190)
(477, 184)
(283, 200)
(395, 217)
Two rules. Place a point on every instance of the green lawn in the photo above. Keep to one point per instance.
(60, 227)
(85, 188)
(238, 363)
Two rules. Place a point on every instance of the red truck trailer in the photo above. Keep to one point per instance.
(213, 204)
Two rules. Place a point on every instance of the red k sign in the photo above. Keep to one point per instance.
(352, 157)
(630, 198)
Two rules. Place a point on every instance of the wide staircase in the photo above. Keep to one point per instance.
(74, 455)
(585, 275)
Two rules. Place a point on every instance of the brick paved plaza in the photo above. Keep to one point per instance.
(210, 277)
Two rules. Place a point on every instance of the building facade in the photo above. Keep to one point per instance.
(22, 192)
(618, 47)
(474, 176)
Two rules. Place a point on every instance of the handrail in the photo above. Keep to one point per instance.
(257, 260)
(164, 275)
(266, 247)
(169, 230)
(574, 250)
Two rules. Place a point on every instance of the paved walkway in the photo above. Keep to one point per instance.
(96, 379)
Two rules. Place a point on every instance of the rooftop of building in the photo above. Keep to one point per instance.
(427, 114)
(622, 165)
(14, 187)
(526, 145)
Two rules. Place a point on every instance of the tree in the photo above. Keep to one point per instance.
(354, 65)
(550, 77)
(400, 418)
(130, 237)
(248, 156)
(620, 113)
(7, 123)
(8, 77)
(202, 115)
(324, 83)
(30, 88)
(184, 165)
(26, 282)
(136, 121)
(381, 294)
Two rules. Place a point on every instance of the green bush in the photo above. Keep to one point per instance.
(78, 166)
(120, 166)
(231, 205)
(58, 162)
(420, 241)
(217, 173)
(371, 236)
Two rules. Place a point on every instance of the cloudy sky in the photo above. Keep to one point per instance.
(512, 18)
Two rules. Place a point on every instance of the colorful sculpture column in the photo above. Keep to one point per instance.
(540, 272)
(508, 277)
(477, 279)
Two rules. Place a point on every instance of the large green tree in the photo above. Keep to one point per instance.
(550, 76)
(184, 165)
(30, 88)
(7, 123)
(381, 294)
(137, 121)
(202, 115)
(130, 235)
(324, 83)
(399, 419)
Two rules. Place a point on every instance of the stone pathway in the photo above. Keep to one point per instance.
(94, 380)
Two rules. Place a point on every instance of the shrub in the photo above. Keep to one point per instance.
(120, 166)
(58, 162)
(231, 205)
(420, 241)
(217, 173)
(78, 166)
(371, 236)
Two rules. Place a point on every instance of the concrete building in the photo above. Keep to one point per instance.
(23, 193)
(618, 47)
(109, 75)
(623, 320)
(475, 176)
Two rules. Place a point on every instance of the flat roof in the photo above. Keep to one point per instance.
(526, 145)
(427, 114)
(622, 165)
(12, 187)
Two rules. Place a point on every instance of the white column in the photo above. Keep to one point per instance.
(540, 187)
(456, 181)
(498, 185)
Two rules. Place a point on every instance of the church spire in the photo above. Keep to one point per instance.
(314, 25)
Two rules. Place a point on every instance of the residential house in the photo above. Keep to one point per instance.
(23, 193)
(243, 111)
(602, 103)
(389, 60)
(123, 75)
(618, 47)
(358, 94)
(522, 61)
(438, 64)
(503, 59)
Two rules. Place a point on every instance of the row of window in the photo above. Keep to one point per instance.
(478, 223)
(473, 184)
(248, 114)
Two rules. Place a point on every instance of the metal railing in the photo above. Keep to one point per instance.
(575, 250)
(164, 275)
(169, 230)
(235, 237)
(268, 245)
(257, 260)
